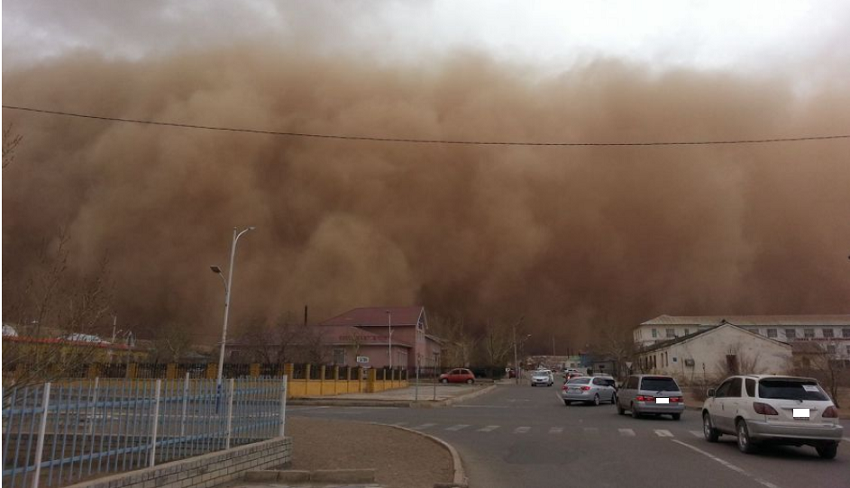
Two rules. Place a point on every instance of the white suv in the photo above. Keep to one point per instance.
(772, 409)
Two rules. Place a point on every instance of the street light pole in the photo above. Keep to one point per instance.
(227, 289)
(390, 336)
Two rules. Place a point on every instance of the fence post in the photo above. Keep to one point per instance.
(90, 420)
(132, 371)
(230, 412)
(152, 461)
(171, 371)
(42, 428)
(185, 405)
(283, 406)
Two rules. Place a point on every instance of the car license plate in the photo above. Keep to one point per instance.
(801, 413)
(662, 400)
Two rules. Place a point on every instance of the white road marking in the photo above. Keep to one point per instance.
(522, 430)
(726, 464)
(458, 427)
(627, 432)
(663, 433)
(696, 433)
(480, 406)
(556, 430)
(489, 428)
(591, 430)
(423, 426)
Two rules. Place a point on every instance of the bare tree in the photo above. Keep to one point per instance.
(460, 343)
(170, 343)
(11, 140)
(497, 342)
(55, 317)
(817, 361)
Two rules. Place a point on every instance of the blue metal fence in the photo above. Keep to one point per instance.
(59, 434)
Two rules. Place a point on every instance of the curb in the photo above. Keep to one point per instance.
(459, 478)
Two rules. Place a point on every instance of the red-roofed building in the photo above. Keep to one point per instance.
(372, 332)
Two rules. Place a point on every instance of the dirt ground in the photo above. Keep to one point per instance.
(402, 459)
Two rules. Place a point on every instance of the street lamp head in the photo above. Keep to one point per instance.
(251, 228)
(215, 269)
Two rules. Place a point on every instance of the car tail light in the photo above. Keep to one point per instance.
(642, 398)
(764, 409)
(585, 388)
(676, 399)
(830, 413)
(564, 387)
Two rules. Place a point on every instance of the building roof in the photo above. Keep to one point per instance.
(665, 344)
(377, 316)
(750, 320)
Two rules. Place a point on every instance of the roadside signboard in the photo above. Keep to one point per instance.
(363, 359)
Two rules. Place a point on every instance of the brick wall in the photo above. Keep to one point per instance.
(203, 471)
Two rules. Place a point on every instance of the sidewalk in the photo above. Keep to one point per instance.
(430, 395)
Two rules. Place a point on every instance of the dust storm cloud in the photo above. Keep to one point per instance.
(572, 238)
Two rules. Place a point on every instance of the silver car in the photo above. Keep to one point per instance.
(651, 394)
(542, 377)
(772, 409)
(595, 390)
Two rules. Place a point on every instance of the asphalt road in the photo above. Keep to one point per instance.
(519, 436)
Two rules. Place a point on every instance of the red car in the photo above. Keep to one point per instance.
(458, 375)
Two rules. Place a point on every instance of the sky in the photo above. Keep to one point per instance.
(571, 238)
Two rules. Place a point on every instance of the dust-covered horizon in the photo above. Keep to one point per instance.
(573, 239)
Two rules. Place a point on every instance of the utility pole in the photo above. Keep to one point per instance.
(390, 338)
(516, 357)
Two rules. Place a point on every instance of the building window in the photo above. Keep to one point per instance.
(830, 349)
(828, 333)
(845, 333)
(848, 350)
(671, 333)
(654, 333)
(809, 333)
(339, 356)
(791, 334)
(771, 333)
(687, 331)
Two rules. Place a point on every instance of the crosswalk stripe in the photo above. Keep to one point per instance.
(522, 430)
(556, 430)
(489, 428)
(663, 433)
(423, 426)
(627, 432)
(458, 427)
(696, 433)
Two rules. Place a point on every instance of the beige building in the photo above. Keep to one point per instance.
(712, 352)
(831, 332)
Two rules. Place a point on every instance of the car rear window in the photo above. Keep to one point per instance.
(780, 389)
(581, 381)
(658, 383)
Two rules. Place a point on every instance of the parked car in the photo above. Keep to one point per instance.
(458, 375)
(651, 394)
(542, 377)
(588, 389)
(772, 409)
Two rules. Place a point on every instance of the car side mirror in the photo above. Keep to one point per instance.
(711, 392)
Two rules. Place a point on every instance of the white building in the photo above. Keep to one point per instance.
(832, 332)
(711, 352)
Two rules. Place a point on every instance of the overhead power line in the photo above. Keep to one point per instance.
(421, 141)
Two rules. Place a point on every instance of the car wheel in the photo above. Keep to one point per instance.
(635, 414)
(444, 381)
(676, 416)
(745, 444)
(596, 401)
(613, 399)
(620, 410)
(711, 434)
(470, 381)
(533, 385)
(566, 403)
(827, 451)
